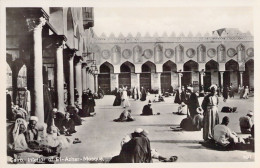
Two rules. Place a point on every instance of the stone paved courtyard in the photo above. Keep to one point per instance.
(101, 136)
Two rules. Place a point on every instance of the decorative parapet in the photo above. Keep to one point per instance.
(128, 39)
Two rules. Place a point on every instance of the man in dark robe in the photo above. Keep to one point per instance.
(177, 97)
(100, 93)
(147, 110)
(143, 94)
(90, 104)
(73, 111)
(117, 101)
(183, 95)
(48, 114)
(137, 150)
(84, 105)
(193, 104)
(68, 125)
(225, 93)
(58, 118)
(9, 113)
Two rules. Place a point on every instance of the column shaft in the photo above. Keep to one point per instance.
(60, 78)
(79, 80)
(71, 88)
(38, 78)
(241, 78)
(159, 84)
(221, 80)
(84, 78)
(96, 82)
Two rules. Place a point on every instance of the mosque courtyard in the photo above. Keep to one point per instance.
(101, 136)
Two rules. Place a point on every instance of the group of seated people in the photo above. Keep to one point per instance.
(27, 142)
(227, 139)
(136, 148)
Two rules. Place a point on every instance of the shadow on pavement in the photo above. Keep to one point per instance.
(176, 141)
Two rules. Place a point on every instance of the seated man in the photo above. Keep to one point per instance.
(125, 116)
(224, 136)
(161, 99)
(246, 123)
(147, 110)
(198, 119)
(139, 132)
(31, 134)
(68, 125)
(182, 109)
(58, 118)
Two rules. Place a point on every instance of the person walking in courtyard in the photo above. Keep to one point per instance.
(231, 91)
(241, 91)
(246, 93)
(211, 117)
(125, 102)
(100, 93)
(246, 123)
(90, 103)
(117, 101)
(135, 93)
(143, 94)
(225, 93)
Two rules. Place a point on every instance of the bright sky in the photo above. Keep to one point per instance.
(174, 19)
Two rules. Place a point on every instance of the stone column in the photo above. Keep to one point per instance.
(71, 77)
(78, 76)
(138, 83)
(35, 26)
(60, 73)
(202, 74)
(221, 80)
(241, 78)
(159, 84)
(96, 82)
(179, 79)
(84, 77)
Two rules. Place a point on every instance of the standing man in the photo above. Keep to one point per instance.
(211, 117)
(27, 100)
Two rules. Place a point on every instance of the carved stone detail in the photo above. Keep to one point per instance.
(190, 52)
(148, 53)
(250, 52)
(35, 23)
(169, 53)
(127, 53)
(231, 52)
(106, 54)
(211, 52)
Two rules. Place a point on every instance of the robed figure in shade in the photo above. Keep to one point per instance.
(143, 94)
(84, 104)
(27, 100)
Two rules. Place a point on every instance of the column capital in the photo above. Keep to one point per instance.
(35, 23)
(77, 60)
(69, 53)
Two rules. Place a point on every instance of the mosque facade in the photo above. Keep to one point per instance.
(224, 57)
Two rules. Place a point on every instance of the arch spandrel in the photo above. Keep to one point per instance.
(137, 54)
(158, 54)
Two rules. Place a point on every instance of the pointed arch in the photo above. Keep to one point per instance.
(148, 67)
(169, 66)
(248, 75)
(232, 65)
(212, 65)
(127, 67)
(190, 66)
(106, 67)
